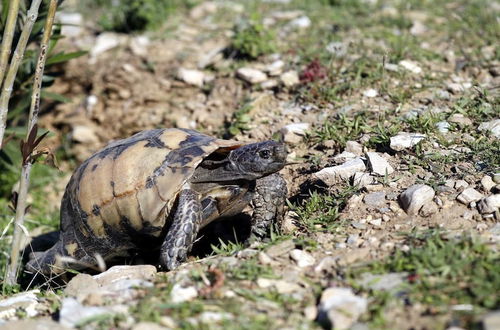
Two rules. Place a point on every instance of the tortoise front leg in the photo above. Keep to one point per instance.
(268, 204)
(183, 231)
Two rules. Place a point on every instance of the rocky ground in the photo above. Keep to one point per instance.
(391, 113)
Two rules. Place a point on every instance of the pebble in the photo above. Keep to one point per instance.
(492, 126)
(139, 45)
(460, 119)
(280, 248)
(457, 88)
(460, 184)
(378, 164)
(302, 258)
(331, 175)
(26, 301)
(410, 66)
(213, 56)
(413, 198)
(391, 67)
(443, 95)
(428, 209)
(264, 258)
(418, 28)
(275, 68)
(339, 308)
(180, 294)
(487, 183)
(81, 286)
(443, 127)
(354, 147)
(32, 324)
(405, 140)
(191, 76)
(302, 22)
(469, 195)
(496, 177)
(72, 312)
(382, 282)
(84, 134)
(117, 273)
(281, 286)
(376, 222)
(71, 23)
(376, 199)
(337, 48)
(363, 179)
(352, 240)
(104, 42)
(370, 92)
(343, 157)
(294, 133)
(290, 78)
(269, 84)
(489, 204)
(250, 75)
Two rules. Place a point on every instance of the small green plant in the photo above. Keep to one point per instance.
(341, 129)
(240, 120)
(252, 40)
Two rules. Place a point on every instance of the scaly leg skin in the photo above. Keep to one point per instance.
(268, 205)
(183, 231)
(45, 262)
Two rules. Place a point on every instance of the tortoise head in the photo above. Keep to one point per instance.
(256, 160)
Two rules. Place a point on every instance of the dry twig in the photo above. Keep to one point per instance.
(8, 35)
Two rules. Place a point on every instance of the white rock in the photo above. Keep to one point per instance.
(469, 195)
(418, 28)
(302, 22)
(84, 134)
(443, 127)
(410, 66)
(331, 175)
(487, 183)
(275, 68)
(458, 87)
(203, 10)
(270, 83)
(72, 312)
(413, 198)
(362, 179)
(139, 45)
(302, 258)
(290, 78)
(405, 140)
(378, 164)
(343, 157)
(283, 287)
(293, 133)
(251, 75)
(370, 92)
(376, 222)
(391, 67)
(492, 126)
(104, 42)
(354, 147)
(211, 57)
(190, 76)
(71, 23)
(491, 321)
(26, 301)
(118, 273)
(339, 308)
(489, 204)
(180, 294)
(336, 48)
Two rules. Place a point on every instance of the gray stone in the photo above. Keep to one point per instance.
(275, 68)
(410, 66)
(104, 42)
(362, 179)
(73, 313)
(382, 282)
(354, 147)
(26, 301)
(71, 23)
(443, 127)
(460, 119)
(294, 133)
(290, 78)
(280, 248)
(281, 286)
(302, 22)
(489, 204)
(405, 140)
(180, 294)
(492, 126)
(352, 240)
(428, 209)
(339, 308)
(487, 183)
(496, 177)
(191, 76)
(334, 174)
(81, 286)
(252, 76)
(375, 199)
(84, 134)
(458, 87)
(116, 273)
(469, 195)
(413, 198)
(378, 164)
(302, 258)
(343, 157)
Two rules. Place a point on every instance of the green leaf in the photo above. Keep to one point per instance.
(63, 57)
(55, 97)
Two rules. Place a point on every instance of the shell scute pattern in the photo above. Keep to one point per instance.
(132, 183)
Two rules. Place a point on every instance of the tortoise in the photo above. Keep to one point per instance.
(162, 186)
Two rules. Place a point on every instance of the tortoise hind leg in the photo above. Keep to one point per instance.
(46, 262)
(183, 230)
(268, 205)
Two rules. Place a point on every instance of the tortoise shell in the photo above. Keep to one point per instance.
(132, 183)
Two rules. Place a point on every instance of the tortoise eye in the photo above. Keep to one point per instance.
(265, 154)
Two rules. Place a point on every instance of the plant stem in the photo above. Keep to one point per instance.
(8, 35)
(11, 274)
(14, 65)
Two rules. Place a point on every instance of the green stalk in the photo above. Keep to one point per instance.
(14, 65)
(8, 35)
